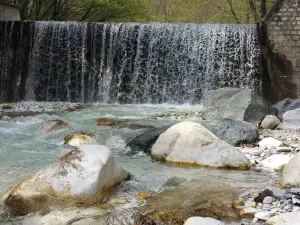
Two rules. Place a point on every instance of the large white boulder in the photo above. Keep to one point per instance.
(269, 143)
(292, 218)
(291, 172)
(270, 122)
(203, 221)
(291, 120)
(276, 162)
(191, 144)
(82, 176)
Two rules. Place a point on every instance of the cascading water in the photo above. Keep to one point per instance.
(139, 63)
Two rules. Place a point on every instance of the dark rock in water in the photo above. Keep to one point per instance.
(6, 107)
(144, 141)
(232, 131)
(134, 126)
(260, 198)
(287, 105)
(236, 103)
(175, 206)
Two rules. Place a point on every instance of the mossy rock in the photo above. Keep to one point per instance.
(76, 139)
(175, 206)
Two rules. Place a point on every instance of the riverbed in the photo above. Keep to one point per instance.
(24, 149)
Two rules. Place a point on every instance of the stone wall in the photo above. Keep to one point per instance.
(283, 29)
(8, 12)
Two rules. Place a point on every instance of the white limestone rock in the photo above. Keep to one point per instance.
(191, 144)
(77, 139)
(292, 218)
(276, 162)
(291, 120)
(291, 172)
(82, 176)
(202, 220)
(270, 122)
(269, 143)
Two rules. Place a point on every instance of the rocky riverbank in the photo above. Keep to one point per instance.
(172, 157)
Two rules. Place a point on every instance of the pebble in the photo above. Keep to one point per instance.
(296, 201)
(248, 211)
(268, 200)
(250, 204)
(263, 215)
(283, 149)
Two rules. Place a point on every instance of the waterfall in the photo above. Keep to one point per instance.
(139, 63)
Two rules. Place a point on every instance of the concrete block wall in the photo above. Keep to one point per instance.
(284, 38)
(8, 12)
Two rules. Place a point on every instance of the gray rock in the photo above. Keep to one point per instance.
(291, 120)
(281, 194)
(144, 141)
(295, 191)
(296, 209)
(235, 103)
(287, 105)
(270, 122)
(268, 200)
(191, 144)
(232, 131)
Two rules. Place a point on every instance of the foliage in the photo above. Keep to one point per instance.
(81, 10)
(203, 11)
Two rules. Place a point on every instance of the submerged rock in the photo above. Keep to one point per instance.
(236, 103)
(234, 132)
(191, 144)
(79, 177)
(291, 120)
(205, 199)
(55, 125)
(107, 122)
(144, 141)
(77, 139)
(75, 216)
(291, 172)
(287, 105)
(134, 126)
(202, 220)
(270, 122)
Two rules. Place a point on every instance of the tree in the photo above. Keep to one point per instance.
(80, 10)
